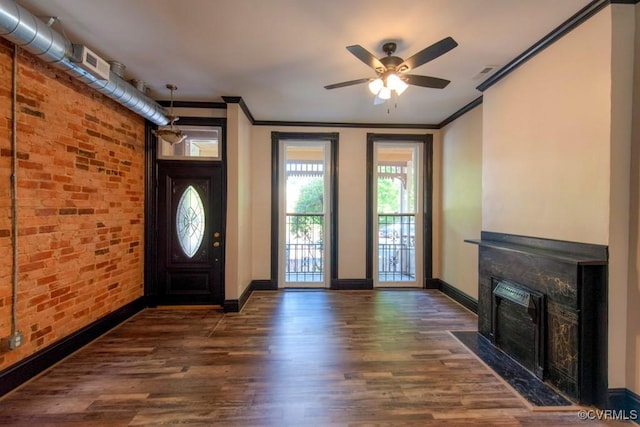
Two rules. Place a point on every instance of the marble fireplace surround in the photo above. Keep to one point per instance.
(573, 279)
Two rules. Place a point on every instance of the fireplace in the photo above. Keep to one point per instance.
(544, 302)
(518, 324)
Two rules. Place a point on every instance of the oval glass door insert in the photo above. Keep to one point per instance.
(190, 221)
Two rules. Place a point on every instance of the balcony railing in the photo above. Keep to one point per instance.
(304, 258)
(396, 248)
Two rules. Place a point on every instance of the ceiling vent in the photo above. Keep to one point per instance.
(90, 62)
(488, 69)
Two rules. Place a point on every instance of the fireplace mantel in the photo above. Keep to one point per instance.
(568, 252)
(572, 277)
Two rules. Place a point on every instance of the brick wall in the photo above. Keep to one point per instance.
(80, 208)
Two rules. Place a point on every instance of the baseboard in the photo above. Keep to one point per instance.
(235, 305)
(264, 285)
(33, 365)
(624, 403)
(231, 306)
(351, 284)
(455, 294)
(432, 284)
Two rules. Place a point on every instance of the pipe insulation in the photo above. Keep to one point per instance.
(22, 28)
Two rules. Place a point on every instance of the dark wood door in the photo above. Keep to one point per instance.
(190, 233)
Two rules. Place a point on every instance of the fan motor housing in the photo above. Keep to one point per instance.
(391, 62)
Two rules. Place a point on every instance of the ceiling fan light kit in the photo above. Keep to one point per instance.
(376, 85)
(385, 93)
(172, 135)
(392, 71)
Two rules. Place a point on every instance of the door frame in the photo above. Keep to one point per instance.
(276, 137)
(151, 201)
(427, 199)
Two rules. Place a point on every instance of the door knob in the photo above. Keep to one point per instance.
(216, 234)
(216, 244)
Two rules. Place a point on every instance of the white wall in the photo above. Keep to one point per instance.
(546, 135)
(622, 61)
(461, 201)
(351, 197)
(238, 240)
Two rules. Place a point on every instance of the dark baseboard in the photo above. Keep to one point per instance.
(235, 305)
(231, 306)
(432, 284)
(351, 284)
(264, 285)
(625, 403)
(454, 293)
(33, 365)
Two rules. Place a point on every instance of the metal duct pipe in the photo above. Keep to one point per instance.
(22, 28)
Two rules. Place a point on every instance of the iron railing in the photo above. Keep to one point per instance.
(304, 257)
(396, 247)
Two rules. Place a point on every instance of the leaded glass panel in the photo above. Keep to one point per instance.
(190, 221)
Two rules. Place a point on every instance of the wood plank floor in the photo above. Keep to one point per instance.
(294, 358)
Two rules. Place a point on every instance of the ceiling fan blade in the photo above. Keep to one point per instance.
(425, 81)
(367, 57)
(349, 83)
(428, 54)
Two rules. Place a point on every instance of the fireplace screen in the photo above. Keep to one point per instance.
(518, 324)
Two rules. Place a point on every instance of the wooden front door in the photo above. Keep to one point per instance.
(190, 233)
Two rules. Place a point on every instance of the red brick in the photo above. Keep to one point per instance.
(76, 191)
(39, 299)
(46, 212)
(46, 280)
(40, 256)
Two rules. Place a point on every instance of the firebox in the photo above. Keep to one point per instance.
(518, 326)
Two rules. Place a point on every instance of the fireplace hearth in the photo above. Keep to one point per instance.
(544, 302)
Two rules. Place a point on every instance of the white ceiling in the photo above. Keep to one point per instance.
(279, 54)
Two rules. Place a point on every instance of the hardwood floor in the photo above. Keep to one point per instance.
(294, 358)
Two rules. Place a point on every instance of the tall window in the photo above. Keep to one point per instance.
(304, 231)
(305, 246)
(397, 200)
(399, 219)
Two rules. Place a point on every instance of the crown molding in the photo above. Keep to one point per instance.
(243, 106)
(347, 125)
(470, 106)
(193, 104)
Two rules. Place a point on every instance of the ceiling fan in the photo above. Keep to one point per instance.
(391, 71)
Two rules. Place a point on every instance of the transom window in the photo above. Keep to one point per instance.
(201, 143)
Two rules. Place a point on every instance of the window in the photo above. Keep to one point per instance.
(303, 228)
(304, 255)
(202, 143)
(399, 204)
(190, 221)
(397, 190)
